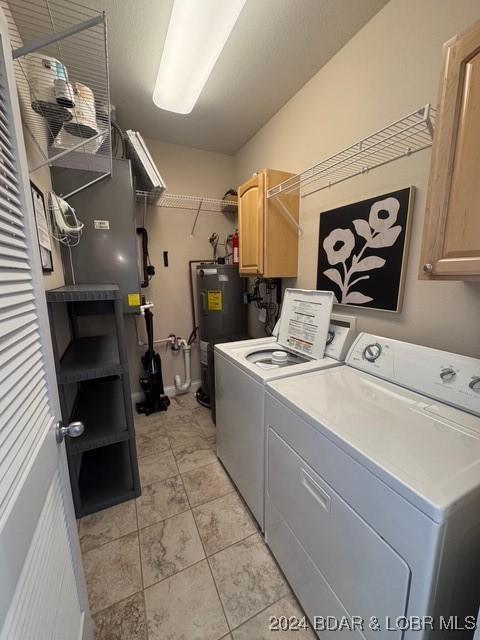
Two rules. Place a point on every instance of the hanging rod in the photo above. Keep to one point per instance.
(50, 39)
(403, 137)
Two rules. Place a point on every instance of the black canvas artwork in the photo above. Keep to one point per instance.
(362, 250)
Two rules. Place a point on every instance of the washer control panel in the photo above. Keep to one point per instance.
(448, 377)
(372, 352)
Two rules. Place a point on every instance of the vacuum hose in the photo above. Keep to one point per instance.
(183, 387)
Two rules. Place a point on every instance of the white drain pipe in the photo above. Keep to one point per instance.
(183, 387)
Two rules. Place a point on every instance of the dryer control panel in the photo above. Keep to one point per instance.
(448, 377)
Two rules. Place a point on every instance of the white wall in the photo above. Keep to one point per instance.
(388, 69)
(190, 172)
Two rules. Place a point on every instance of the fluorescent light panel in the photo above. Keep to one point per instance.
(197, 33)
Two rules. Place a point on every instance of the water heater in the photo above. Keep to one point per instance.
(222, 313)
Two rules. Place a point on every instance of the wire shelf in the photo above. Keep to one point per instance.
(61, 67)
(404, 137)
(188, 203)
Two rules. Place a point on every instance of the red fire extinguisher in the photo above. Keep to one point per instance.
(235, 247)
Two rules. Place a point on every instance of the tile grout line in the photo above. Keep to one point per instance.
(189, 508)
(201, 504)
(114, 604)
(103, 544)
(206, 558)
(147, 629)
(206, 555)
(215, 583)
(139, 549)
(213, 578)
(141, 569)
(137, 531)
(219, 596)
(265, 608)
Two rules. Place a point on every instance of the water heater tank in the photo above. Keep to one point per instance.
(222, 317)
(222, 310)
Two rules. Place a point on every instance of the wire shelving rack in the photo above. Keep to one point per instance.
(402, 138)
(194, 203)
(76, 37)
(199, 204)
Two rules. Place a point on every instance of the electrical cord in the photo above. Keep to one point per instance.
(66, 227)
(118, 139)
(192, 336)
(147, 267)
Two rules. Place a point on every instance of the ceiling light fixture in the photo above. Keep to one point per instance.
(197, 33)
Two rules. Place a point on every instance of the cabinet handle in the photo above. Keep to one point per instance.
(316, 491)
(428, 268)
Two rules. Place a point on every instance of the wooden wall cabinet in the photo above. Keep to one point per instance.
(451, 236)
(268, 239)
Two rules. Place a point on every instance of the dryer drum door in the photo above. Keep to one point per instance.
(366, 575)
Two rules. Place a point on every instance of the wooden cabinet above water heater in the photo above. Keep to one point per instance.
(451, 236)
(268, 239)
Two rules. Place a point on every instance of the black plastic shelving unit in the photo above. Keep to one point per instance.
(92, 375)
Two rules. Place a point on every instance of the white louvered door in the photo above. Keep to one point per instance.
(42, 591)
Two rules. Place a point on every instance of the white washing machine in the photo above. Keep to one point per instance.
(242, 370)
(373, 491)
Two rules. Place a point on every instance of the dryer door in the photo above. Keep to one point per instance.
(366, 575)
(240, 432)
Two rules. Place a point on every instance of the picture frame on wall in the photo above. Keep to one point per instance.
(43, 229)
(363, 248)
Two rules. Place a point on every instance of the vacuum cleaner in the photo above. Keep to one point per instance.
(151, 381)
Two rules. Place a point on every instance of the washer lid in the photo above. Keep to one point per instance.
(304, 321)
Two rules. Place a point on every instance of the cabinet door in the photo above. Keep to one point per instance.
(451, 241)
(251, 202)
(281, 236)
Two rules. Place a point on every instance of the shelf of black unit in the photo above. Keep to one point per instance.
(84, 293)
(100, 406)
(90, 357)
(106, 477)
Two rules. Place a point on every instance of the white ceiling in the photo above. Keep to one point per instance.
(275, 47)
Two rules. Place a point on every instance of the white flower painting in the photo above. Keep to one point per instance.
(361, 251)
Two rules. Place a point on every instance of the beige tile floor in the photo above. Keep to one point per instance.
(185, 561)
